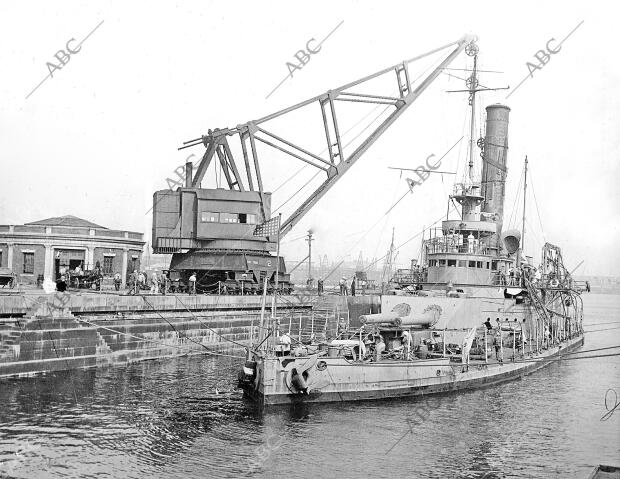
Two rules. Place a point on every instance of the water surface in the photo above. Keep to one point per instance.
(181, 418)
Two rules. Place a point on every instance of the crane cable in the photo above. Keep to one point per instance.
(537, 208)
(349, 142)
(518, 195)
(344, 146)
(408, 240)
(305, 165)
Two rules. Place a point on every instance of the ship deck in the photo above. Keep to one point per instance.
(477, 374)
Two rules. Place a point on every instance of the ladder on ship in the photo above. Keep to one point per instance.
(539, 307)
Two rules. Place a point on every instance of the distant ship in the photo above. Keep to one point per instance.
(475, 312)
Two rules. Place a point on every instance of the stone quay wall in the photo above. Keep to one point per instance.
(46, 333)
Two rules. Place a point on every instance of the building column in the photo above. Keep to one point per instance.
(124, 269)
(49, 262)
(9, 262)
(90, 257)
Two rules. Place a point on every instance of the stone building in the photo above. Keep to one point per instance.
(41, 249)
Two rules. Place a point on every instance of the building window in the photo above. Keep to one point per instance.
(247, 218)
(462, 263)
(107, 264)
(451, 262)
(134, 264)
(494, 265)
(209, 217)
(442, 262)
(479, 264)
(28, 263)
(472, 264)
(229, 218)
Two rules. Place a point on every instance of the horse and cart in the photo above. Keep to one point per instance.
(7, 278)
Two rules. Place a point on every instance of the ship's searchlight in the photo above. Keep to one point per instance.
(512, 240)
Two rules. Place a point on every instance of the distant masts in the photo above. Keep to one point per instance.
(309, 239)
(360, 262)
(387, 265)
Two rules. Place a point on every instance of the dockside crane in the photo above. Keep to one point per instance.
(214, 231)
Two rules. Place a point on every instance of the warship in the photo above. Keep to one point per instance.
(475, 312)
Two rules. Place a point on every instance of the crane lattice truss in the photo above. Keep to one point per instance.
(337, 162)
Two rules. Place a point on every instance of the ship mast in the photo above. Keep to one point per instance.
(524, 199)
(472, 83)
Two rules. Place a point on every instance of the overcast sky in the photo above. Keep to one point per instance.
(101, 135)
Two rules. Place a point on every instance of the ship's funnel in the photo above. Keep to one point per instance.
(511, 240)
(495, 156)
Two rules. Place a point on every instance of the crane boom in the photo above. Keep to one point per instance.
(337, 163)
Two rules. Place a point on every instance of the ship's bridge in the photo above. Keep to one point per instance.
(460, 251)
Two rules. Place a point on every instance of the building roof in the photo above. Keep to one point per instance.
(67, 220)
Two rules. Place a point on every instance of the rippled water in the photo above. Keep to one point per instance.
(184, 418)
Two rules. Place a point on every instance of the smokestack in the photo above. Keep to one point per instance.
(494, 169)
(189, 172)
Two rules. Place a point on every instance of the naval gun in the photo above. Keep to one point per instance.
(227, 236)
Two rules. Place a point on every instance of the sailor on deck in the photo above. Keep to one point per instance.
(379, 347)
(192, 284)
(406, 345)
(488, 324)
(497, 342)
(284, 345)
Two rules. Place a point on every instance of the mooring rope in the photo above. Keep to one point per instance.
(186, 336)
(156, 341)
(207, 327)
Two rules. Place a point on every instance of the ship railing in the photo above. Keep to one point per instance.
(550, 281)
(305, 326)
(462, 189)
(406, 276)
(447, 247)
(553, 281)
(502, 279)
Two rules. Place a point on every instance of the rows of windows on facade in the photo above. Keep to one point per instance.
(243, 218)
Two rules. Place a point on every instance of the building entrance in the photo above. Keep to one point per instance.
(68, 259)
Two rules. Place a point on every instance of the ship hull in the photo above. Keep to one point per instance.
(344, 381)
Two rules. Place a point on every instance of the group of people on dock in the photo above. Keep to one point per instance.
(155, 283)
(344, 286)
